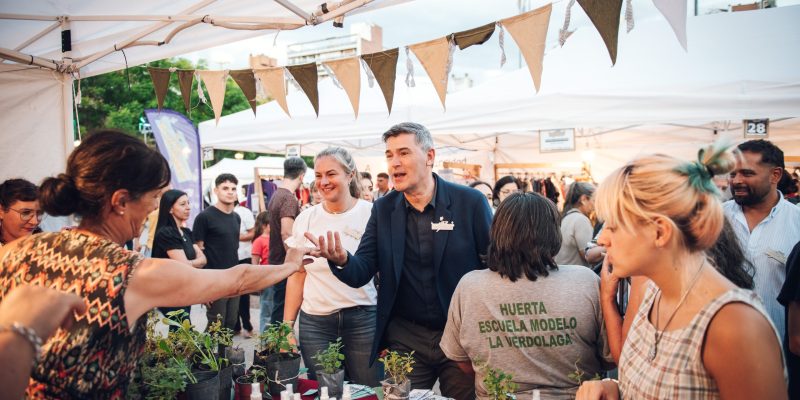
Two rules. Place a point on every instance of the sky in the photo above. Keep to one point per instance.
(420, 20)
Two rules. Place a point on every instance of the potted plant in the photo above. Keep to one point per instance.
(223, 337)
(244, 383)
(331, 373)
(499, 385)
(279, 356)
(200, 349)
(159, 375)
(397, 367)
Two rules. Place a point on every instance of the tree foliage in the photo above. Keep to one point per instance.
(117, 99)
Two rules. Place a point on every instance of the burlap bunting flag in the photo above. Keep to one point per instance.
(529, 30)
(185, 78)
(306, 77)
(348, 73)
(675, 13)
(384, 67)
(473, 36)
(605, 17)
(274, 83)
(160, 77)
(433, 55)
(247, 82)
(215, 86)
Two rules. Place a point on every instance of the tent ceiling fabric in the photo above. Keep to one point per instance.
(111, 28)
(654, 82)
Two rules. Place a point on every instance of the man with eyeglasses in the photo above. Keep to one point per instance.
(20, 214)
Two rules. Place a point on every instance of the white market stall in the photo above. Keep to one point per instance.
(657, 98)
(36, 89)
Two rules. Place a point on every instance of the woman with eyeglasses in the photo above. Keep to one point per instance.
(20, 213)
(504, 187)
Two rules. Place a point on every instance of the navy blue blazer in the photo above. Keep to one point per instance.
(455, 252)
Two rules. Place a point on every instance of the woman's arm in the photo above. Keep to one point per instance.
(294, 295)
(200, 258)
(168, 283)
(743, 354)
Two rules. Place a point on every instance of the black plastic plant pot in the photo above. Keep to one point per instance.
(206, 388)
(225, 383)
(282, 369)
(334, 382)
(236, 357)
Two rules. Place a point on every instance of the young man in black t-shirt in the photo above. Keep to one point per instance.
(216, 231)
(283, 208)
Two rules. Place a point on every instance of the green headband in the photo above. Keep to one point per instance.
(700, 174)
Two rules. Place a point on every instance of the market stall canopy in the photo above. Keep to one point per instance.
(110, 35)
(738, 65)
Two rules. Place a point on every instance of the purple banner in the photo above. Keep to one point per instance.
(179, 142)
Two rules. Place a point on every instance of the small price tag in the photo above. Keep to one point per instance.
(756, 128)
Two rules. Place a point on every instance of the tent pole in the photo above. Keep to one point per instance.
(153, 28)
(294, 9)
(29, 17)
(343, 9)
(23, 58)
(37, 36)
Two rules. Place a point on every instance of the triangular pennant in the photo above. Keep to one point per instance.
(474, 36)
(274, 83)
(529, 30)
(433, 55)
(384, 67)
(306, 77)
(160, 77)
(605, 17)
(247, 82)
(348, 73)
(675, 13)
(185, 78)
(215, 85)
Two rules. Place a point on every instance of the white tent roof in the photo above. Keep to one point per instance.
(37, 102)
(739, 65)
(271, 129)
(99, 27)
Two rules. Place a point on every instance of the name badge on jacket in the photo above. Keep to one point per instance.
(442, 225)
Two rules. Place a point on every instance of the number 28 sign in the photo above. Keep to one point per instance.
(756, 128)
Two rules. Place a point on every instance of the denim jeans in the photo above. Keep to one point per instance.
(264, 317)
(356, 327)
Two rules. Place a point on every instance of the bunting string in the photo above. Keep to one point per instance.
(528, 30)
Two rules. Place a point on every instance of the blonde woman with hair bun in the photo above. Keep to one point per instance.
(696, 335)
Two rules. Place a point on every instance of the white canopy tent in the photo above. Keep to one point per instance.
(36, 86)
(657, 98)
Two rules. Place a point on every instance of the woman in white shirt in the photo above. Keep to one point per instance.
(329, 309)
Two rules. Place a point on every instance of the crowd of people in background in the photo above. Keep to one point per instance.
(679, 278)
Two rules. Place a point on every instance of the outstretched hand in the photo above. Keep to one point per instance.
(330, 247)
(296, 255)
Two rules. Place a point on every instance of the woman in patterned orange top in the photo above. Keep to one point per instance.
(695, 335)
(112, 181)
